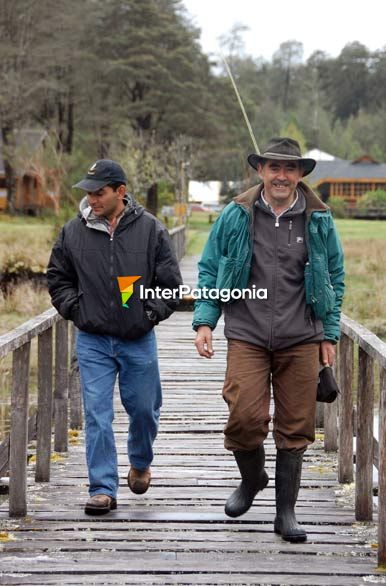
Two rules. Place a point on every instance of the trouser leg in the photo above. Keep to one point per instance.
(141, 395)
(98, 370)
(294, 381)
(247, 393)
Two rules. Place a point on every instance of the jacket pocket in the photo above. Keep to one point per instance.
(75, 311)
(329, 294)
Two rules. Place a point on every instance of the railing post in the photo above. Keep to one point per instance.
(74, 385)
(331, 427)
(364, 451)
(346, 365)
(178, 237)
(382, 471)
(19, 432)
(44, 412)
(319, 417)
(61, 386)
(331, 422)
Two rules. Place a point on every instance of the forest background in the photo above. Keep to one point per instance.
(128, 79)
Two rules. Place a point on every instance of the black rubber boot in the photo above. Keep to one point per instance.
(287, 482)
(253, 479)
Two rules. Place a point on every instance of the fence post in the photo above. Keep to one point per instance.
(74, 385)
(331, 427)
(319, 419)
(44, 412)
(364, 451)
(19, 432)
(382, 471)
(346, 365)
(61, 386)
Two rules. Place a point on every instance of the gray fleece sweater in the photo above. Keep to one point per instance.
(279, 255)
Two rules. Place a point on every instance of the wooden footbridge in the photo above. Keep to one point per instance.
(177, 533)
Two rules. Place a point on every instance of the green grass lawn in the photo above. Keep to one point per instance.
(30, 240)
(198, 230)
(361, 229)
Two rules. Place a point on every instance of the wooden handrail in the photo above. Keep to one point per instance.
(178, 237)
(343, 423)
(24, 333)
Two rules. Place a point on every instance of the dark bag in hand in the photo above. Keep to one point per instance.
(328, 388)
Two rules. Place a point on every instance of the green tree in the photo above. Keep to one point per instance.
(17, 41)
(287, 63)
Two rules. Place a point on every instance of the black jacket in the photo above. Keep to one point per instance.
(85, 263)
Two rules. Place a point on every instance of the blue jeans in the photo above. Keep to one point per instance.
(101, 359)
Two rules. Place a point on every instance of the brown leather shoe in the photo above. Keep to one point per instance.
(139, 480)
(100, 504)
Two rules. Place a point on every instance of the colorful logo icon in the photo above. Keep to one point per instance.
(126, 287)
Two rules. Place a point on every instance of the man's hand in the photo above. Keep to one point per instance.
(327, 353)
(203, 341)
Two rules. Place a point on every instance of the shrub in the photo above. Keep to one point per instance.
(338, 207)
(373, 199)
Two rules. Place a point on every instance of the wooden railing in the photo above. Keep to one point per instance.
(178, 236)
(52, 411)
(59, 406)
(343, 422)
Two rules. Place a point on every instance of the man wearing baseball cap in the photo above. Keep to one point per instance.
(281, 237)
(93, 271)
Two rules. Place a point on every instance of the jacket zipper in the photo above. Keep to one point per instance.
(111, 272)
(273, 287)
(289, 233)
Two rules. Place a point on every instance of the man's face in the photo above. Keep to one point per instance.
(280, 179)
(106, 202)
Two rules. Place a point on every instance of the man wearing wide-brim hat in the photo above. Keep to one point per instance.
(277, 237)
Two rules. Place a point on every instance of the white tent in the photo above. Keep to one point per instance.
(318, 155)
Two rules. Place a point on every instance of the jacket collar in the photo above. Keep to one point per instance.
(132, 209)
(313, 202)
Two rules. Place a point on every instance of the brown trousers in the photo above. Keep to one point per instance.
(247, 391)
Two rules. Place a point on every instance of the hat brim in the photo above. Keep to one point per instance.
(307, 164)
(90, 185)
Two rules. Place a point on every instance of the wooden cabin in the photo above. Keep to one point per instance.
(348, 179)
(37, 188)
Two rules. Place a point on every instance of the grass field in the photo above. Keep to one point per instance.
(361, 229)
(29, 240)
(364, 244)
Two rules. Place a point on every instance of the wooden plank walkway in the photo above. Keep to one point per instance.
(177, 533)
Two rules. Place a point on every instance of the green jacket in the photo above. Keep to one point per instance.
(226, 260)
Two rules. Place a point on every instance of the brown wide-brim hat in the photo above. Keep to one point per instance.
(282, 149)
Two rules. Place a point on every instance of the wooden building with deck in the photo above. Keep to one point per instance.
(349, 180)
(37, 187)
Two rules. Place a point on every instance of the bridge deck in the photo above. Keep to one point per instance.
(177, 533)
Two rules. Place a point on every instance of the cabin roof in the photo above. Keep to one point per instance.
(365, 167)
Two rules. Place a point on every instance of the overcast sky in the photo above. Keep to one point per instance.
(327, 25)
